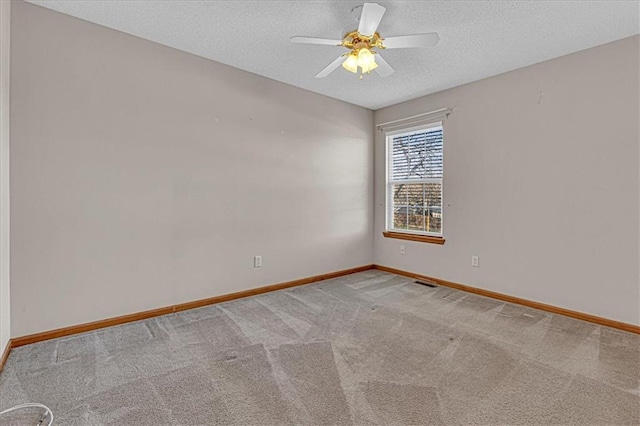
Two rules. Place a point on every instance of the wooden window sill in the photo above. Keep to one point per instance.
(414, 237)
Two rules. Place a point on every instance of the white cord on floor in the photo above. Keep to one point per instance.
(47, 413)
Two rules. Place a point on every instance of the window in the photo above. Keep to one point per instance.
(414, 181)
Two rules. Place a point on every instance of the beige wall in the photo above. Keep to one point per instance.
(5, 35)
(143, 176)
(541, 182)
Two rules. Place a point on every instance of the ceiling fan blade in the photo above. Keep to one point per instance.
(315, 40)
(331, 67)
(416, 40)
(370, 18)
(383, 69)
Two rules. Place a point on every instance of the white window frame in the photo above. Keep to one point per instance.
(389, 182)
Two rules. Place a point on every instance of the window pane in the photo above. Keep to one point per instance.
(434, 220)
(433, 195)
(400, 217)
(433, 198)
(399, 194)
(418, 207)
(416, 219)
(415, 194)
(417, 155)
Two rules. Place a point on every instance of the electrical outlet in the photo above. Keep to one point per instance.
(475, 261)
(257, 261)
(402, 250)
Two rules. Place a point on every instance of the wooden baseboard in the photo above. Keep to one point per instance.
(512, 299)
(95, 325)
(82, 328)
(5, 355)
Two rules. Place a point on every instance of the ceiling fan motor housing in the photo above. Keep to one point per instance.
(356, 41)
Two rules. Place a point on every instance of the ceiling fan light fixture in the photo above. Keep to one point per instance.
(366, 61)
(372, 66)
(351, 63)
(365, 58)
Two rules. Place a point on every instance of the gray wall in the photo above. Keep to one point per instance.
(142, 176)
(541, 181)
(5, 26)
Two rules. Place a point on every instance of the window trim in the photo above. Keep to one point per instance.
(408, 234)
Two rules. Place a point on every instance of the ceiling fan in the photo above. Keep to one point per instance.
(362, 42)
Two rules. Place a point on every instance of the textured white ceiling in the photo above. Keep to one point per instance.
(478, 39)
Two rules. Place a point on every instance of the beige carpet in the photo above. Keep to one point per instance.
(369, 348)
